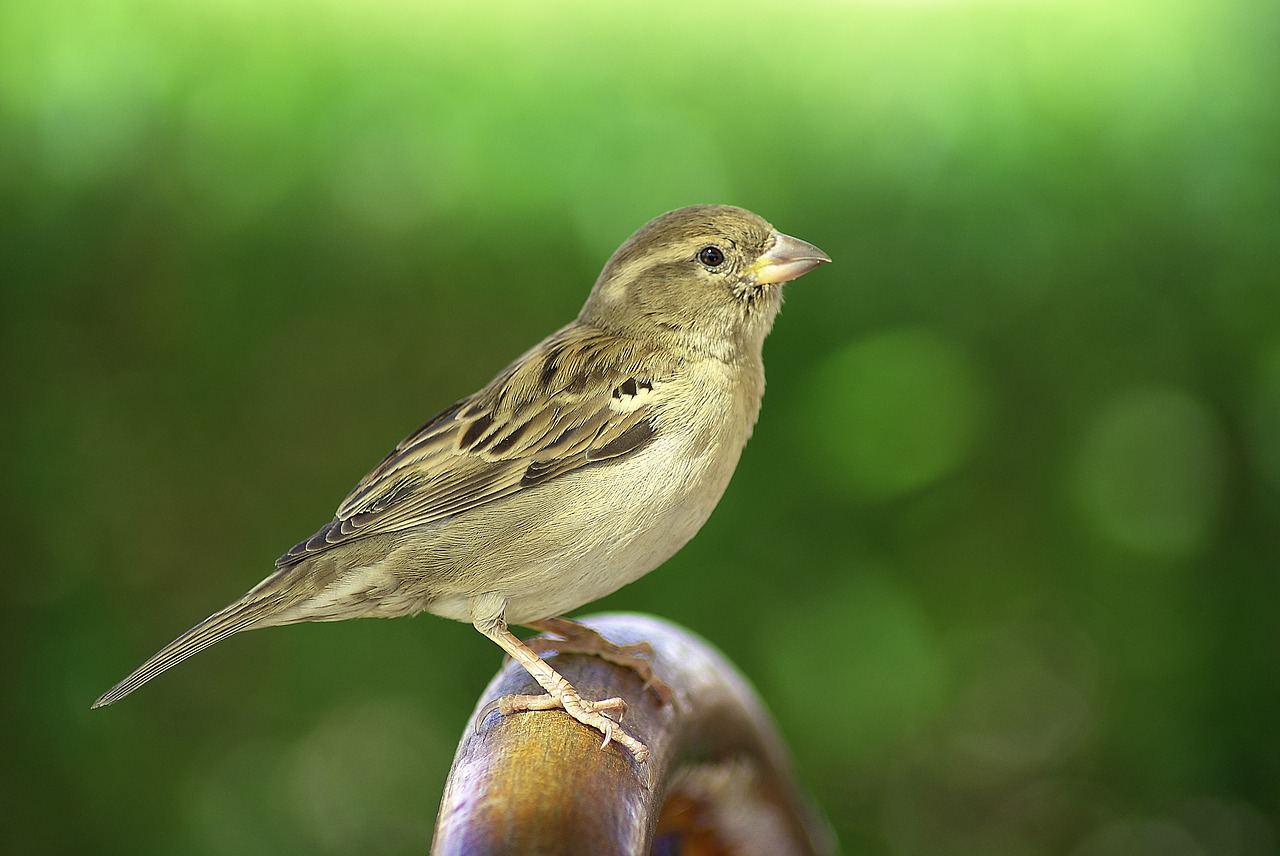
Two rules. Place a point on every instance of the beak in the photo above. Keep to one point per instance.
(787, 259)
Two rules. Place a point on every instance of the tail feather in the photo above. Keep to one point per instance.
(252, 610)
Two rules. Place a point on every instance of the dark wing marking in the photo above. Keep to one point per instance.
(529, 425)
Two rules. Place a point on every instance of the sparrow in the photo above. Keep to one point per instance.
(586, 463)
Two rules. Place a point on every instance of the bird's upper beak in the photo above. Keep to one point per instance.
(787, 259)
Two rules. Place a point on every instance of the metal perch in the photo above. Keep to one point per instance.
(718, 780)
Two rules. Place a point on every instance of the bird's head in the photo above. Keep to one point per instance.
(708, 277)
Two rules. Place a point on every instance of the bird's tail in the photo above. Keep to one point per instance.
(258, 608)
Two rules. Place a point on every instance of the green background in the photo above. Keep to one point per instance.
(1001, 556)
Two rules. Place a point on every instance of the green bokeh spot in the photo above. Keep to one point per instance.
(1149, 474)
(894, 412)
(866, 648)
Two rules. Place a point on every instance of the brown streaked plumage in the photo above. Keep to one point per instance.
(583, 465)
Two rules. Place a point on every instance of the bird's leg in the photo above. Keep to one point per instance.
(580, 639)
(560, 694)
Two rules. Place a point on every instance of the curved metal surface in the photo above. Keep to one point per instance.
(539, 783)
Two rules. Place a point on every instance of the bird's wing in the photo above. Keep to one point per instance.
(579, 398)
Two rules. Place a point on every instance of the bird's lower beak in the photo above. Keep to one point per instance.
(787, 259)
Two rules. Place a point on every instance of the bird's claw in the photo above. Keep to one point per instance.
(589, 713)
(577, 638)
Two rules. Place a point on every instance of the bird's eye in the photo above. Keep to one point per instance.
(711, 256)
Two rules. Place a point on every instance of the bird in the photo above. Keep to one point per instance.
(583, 465)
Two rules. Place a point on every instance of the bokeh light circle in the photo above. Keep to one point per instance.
(894, 412)
(1149, 473)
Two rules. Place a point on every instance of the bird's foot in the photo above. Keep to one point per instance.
(589, 713)
(559, 694)
(578, 638)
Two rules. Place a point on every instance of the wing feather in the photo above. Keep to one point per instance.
(551, 412)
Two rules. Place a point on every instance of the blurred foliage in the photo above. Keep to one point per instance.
(1001, 557)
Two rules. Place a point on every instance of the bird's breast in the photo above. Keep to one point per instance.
(609, 524)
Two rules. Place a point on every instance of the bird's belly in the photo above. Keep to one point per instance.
(586, 535)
